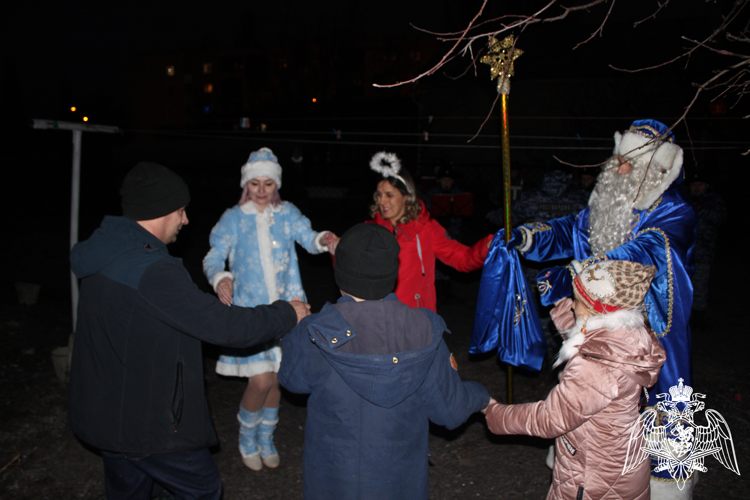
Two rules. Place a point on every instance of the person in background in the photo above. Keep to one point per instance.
(445, 183)
(136, 382)
(257, 239)
(422, 239)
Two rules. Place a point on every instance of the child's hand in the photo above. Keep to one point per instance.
(493, 401)
(562, 314)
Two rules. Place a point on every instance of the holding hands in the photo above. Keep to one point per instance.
(301, 308)
(225, 291)
(330, 240)
(493, 401)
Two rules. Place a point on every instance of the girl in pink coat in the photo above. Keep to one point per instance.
(611, 356)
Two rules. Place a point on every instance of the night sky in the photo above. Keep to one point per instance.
(78, 53)
(62, 54)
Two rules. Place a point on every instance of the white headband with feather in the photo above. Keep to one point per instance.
(388, 165)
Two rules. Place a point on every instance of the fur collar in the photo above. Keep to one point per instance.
(249, 208)
(626, 318)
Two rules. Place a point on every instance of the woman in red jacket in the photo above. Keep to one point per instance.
(422, 239)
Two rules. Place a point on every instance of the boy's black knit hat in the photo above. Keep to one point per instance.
(150, 191)
(367, 262)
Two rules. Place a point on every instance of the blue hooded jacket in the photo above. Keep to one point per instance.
(377, 373)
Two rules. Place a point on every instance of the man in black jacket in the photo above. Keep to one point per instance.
(136, 381)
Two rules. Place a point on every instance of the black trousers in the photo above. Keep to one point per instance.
(187, 475)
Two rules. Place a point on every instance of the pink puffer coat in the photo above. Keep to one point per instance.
(592, 411)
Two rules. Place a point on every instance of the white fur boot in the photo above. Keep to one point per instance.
(668, 490)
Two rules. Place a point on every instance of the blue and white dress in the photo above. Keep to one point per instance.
(263, 265)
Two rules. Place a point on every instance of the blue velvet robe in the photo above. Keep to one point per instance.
(663, 236)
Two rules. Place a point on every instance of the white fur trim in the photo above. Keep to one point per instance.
(630, 319)
(263, 222)
(529, 239)
(249, 208)
(263, 168)
(321, 248)
(250, 369)
(571, 345)
(220, 276)
(667, 156)
(668, 490)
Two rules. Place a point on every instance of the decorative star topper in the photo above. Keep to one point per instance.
(500, 57)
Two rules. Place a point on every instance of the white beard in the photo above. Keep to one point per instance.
(611, 217)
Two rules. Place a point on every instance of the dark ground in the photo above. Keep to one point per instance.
(40, 457)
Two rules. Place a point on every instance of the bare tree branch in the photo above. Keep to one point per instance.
(652, 16)
(447, 57)
(486, 118)
(600, 30)
(728, 79)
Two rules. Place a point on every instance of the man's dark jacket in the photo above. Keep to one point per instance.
(377, 373)
(136, 380)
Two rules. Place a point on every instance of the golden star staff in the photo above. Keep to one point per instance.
(500, 57)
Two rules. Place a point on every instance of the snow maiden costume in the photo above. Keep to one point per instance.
(638, 216)
(264, 268)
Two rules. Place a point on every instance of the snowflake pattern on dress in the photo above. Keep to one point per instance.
(235, 239)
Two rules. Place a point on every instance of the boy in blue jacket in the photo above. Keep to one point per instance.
(377, 372)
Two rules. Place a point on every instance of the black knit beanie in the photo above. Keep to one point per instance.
(367, 262)
(150, 191)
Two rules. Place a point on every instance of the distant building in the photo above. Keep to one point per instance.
(217, 88)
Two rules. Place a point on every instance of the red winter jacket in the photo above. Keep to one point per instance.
(422, 241)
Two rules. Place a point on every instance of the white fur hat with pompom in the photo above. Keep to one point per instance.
(262, 163)
(652, 141)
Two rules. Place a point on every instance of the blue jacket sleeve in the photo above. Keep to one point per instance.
(298, 350)
(223, 240)
(449, 400)
(302, 230)
(550, 240)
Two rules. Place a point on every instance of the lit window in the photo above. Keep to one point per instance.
(207, 68)
(208, 88)
(170, 70)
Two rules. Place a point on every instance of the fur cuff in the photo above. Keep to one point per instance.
(220, 276)
(318, 239)
(528, 236)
